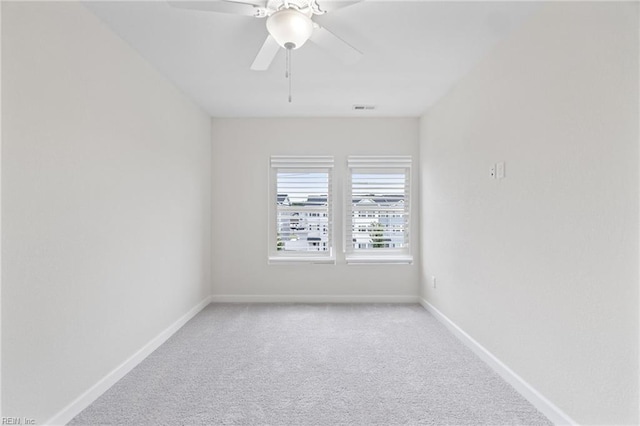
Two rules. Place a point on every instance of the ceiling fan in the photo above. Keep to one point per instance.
(289, 25)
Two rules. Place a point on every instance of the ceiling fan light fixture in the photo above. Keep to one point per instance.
(290, 28)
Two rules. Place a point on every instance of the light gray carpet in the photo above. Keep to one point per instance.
(329, 364)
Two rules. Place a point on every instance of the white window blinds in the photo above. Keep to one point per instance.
(379, 204)
(301, 201)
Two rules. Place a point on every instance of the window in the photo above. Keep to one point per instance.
(378, 210)
(301, 209)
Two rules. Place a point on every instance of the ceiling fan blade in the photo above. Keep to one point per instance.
(335, 45)
(266, 54)
(224, 6)
(330, 5)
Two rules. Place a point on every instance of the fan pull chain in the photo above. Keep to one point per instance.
(287, 73)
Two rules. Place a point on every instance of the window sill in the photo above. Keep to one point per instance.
(387, 260)
(296, 260)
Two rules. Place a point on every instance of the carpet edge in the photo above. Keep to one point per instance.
(539, 401)
(94, 392)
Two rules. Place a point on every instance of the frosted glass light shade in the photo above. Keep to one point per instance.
(290, 28)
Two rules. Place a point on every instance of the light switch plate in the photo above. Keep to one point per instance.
(500, 170)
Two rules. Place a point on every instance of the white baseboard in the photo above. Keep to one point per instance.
(311, 298)
(84, 400)
(543, 405)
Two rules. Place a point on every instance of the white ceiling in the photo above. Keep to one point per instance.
(414, 52)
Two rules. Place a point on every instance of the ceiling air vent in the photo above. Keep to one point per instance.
(364, 107)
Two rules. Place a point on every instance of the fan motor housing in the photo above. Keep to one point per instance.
(308, 7)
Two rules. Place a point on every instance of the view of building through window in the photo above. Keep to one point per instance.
(303, 211)
(378, 218)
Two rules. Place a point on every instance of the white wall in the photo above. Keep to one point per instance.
(1, 209)
(240, 185)
(541, 268)
(105, 209)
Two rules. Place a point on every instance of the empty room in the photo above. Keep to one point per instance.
(316, 212)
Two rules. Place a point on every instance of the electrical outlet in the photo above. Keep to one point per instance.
(433, 281)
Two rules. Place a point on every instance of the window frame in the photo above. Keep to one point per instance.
(370, 165)
(298, 164)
